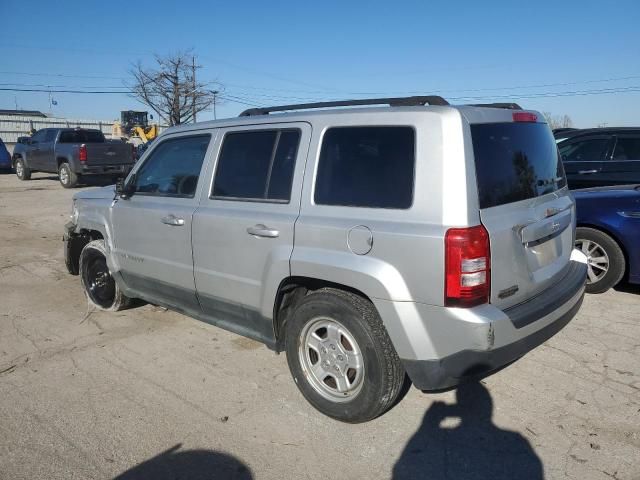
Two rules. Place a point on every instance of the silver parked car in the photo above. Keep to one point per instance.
(370, 244)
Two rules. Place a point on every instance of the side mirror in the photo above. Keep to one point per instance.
(125, 190)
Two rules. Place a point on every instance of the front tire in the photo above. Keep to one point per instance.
(605, 259)
(99, 286)
(68, 178)
(341, 356)
(22, 171)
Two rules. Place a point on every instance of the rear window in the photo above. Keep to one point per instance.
(515, 161)
(81, 136)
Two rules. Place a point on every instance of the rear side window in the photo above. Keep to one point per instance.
(257, 165)
(81, 136)
(366, 167)
(587, 150)
(515, 161)
(627, 148)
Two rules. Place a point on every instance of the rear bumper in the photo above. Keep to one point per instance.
(105, 169)
(442, 347)
(452, 370)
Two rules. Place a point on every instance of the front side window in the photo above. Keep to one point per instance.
(39, 136)
(627, 148)
(173, 168)
(369, 167)
(50, 136)
(590, 150)
(257, 165)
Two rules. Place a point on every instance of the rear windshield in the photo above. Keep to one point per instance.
(81, 136)
(515, 161)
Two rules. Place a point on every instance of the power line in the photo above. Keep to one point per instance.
(58, 86)
(249, 101)
(49, 90)
(42, 74)
(414, 92)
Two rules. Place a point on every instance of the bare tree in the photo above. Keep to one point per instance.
(171, 88)
(558, 121)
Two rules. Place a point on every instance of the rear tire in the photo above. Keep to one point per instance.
(22, 171)
(68, 178)
(341, 356)
(99, 286)
(606, 262)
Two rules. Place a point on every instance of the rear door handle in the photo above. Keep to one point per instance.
(584, 172)
(261, 230)
(173, 220)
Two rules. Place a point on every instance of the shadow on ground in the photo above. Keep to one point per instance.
(627, 287)
(189, 465)
(461, 442)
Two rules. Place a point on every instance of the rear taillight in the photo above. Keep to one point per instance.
(467, 267)
(82, 153)
(524, 117)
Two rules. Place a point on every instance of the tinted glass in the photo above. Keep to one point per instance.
(257, 165)
(244, 164)
(50, 136)
(627, 148)
(38, 136)
(81, 136)
(173, 167)
(283, 165)
(515, 161)
(366, 167)
(587, 150)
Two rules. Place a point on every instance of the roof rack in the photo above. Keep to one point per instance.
(392, 102)
(508, 106)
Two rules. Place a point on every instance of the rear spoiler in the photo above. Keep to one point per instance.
(508, 106)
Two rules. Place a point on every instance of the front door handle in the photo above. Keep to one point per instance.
(173, 220)
(584, 172)
(261, 230)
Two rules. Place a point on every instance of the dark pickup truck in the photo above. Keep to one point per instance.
(72, 153)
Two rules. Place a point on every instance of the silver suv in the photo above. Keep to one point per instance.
(418, 240)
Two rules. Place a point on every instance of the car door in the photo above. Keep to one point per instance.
(243, 228)
(152, 228)
(34, 157)
(46, 155)
(583, 159)
(623, 165)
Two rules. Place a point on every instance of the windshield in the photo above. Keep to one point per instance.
(515, 161)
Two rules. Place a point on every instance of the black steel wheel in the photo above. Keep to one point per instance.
(100, 287)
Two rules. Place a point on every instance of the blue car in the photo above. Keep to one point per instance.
(5, 157)
(609, 234)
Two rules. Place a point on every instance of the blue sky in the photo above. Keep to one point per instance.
(287, 52)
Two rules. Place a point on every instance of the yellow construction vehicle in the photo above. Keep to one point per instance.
(135, 128)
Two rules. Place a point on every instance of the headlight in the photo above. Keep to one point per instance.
(74, 213)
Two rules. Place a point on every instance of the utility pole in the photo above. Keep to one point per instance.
(215, 92)
(193, 91)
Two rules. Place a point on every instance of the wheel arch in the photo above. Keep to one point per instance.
(293, 289)
(75, 243)
(60, 160)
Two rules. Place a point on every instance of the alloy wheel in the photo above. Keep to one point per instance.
(597, 259)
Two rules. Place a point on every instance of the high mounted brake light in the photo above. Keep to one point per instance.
(524, 117)
(467, 267)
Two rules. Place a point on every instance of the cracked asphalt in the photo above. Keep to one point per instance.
(148, 393)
